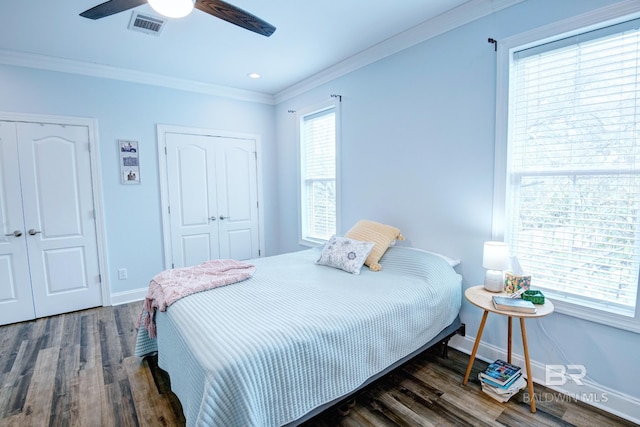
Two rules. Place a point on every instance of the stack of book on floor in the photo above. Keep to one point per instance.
(501, 380)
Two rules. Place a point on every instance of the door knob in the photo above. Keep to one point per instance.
(33, 232)
(223, 217)
(212, 218)
(16, 233)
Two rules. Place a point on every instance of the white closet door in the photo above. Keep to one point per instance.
(238, 198)
(16, 300)
(212, 192)
(192, 199)
(55, 171)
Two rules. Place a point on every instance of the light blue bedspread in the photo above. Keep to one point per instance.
(266, 351)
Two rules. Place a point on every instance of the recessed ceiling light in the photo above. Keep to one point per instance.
(254, 75)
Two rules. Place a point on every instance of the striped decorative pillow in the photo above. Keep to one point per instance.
(382, 235)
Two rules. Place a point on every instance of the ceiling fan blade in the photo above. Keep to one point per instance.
(111, 7)
(235, 15)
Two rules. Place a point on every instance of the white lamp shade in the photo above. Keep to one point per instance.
(172, 8)
(495, 256)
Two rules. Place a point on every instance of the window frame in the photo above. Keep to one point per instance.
(589, 21)
(301, 114)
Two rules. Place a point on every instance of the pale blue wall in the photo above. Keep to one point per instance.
(131, 111)
(418, 153)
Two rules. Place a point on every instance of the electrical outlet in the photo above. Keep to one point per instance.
(122, 273)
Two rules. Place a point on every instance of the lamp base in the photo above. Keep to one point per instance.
(494, 281)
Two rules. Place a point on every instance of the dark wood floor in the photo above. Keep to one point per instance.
(78, 369)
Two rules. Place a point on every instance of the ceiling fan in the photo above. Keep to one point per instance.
(217, 8)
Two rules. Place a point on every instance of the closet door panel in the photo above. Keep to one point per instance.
(192, 199)
(57, 206)
(59, 217)
(237, 184)
(16, 300)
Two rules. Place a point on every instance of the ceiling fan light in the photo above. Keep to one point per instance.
(172, 8)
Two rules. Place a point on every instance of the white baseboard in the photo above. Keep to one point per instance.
(129, 296)
(612, 401)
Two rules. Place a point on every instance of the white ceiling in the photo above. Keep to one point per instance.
(311, 37)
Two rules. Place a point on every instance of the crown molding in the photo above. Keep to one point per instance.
(461, 15)
(50, 63)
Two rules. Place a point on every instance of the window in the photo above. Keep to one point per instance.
(318, 189)
(572, 174)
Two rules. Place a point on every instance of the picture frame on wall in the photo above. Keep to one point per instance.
(129, 155)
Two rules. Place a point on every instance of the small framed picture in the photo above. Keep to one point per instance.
(129, 155)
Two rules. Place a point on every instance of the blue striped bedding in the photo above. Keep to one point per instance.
(268, 350)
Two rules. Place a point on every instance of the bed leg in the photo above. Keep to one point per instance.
(462, 330)
(445, 343)
(445, 348)
(345, 408)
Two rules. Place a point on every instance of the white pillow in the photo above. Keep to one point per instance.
(452, 262)
(344, 253)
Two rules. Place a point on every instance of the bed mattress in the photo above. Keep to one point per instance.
(296, 335)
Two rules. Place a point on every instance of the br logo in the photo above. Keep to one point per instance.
(560, 374)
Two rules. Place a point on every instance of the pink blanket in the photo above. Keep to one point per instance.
(171, 285)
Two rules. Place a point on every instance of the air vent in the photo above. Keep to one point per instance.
(146, 23)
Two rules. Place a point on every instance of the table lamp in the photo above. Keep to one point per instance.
(495, 258)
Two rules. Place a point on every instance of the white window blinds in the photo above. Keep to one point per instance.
(318, 187)
(573, 188)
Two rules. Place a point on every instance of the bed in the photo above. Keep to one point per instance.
(297, 337)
